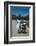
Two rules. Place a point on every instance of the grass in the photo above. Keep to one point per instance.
(27, 22)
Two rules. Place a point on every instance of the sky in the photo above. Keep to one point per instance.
(24, 11)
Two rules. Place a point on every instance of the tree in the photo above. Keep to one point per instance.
(19, 16)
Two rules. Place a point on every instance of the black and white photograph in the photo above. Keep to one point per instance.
(19, 22)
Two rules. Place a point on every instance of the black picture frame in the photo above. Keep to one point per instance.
(6, 41)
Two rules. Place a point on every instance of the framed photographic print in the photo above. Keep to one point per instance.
(19, 22)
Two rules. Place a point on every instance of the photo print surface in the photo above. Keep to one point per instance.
(20, 21)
